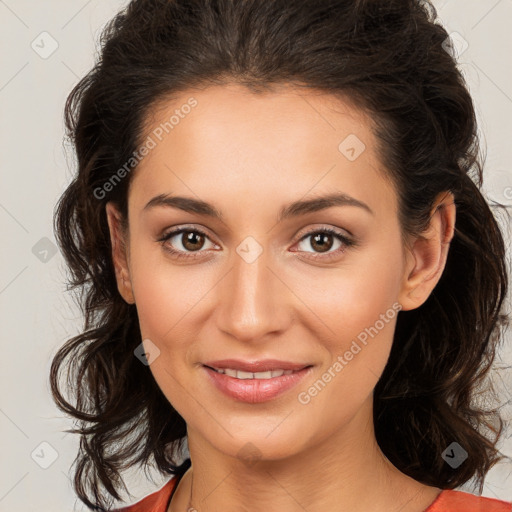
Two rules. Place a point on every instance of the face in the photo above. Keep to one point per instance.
(277, 274)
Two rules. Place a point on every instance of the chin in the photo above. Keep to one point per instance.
(251, 443)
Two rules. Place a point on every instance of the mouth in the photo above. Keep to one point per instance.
(243, 375)
(267, 380)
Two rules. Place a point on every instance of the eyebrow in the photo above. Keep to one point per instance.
(295, 209)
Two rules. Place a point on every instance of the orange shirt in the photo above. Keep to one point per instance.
(446, 501)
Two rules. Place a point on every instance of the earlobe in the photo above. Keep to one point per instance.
(119, 253)
(426, 258)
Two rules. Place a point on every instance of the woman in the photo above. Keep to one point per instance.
(285, 261)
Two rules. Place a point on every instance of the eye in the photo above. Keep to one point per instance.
(322, 240)
(184, 242)
(186, 239)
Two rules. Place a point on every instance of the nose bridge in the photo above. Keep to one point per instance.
(250, 302)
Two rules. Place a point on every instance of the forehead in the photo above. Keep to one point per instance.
(249, 121)
(225, 140)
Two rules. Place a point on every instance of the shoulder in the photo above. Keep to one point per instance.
(459, 501)
(155, 502)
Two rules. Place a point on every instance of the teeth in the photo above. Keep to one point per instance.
(238, 374)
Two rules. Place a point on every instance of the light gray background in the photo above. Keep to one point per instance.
(37, 316)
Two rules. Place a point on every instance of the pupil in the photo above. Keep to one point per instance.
(189, 239)
(322, 246)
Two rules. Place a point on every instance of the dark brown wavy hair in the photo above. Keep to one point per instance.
(388, 57)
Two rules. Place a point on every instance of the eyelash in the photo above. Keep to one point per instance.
(347, 242)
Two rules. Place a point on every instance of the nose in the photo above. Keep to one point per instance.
(253, 301)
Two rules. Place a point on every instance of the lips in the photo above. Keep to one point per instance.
(239, 374)
(255, 381)
(263, 365)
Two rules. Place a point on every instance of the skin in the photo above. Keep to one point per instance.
(249, 155)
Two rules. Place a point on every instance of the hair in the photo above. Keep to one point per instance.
(391, 60)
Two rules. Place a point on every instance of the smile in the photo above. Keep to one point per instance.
(255, 387)
(239, 374)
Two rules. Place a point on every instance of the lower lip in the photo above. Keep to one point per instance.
(255, 390)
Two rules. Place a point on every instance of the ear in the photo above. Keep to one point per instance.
(119, 253)
(426, 257)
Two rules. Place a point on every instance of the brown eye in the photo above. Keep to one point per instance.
(322, 241)
(184, 242)
(192, 240)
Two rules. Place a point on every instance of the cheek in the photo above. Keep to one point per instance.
(361, 324)
(358, 308)
(355, 355)
(165, 293)
(168, 300)
(351, 298)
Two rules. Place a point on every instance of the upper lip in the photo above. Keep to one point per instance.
(263, 365)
